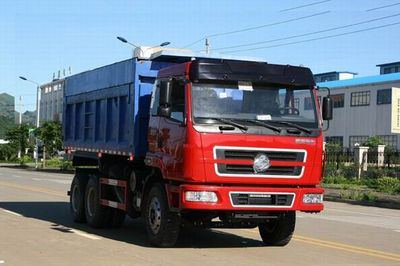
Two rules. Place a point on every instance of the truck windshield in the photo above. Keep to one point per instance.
(259, 102)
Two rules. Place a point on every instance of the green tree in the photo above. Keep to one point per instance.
(373, 142)
(50, 133)
(18, 137)
(7, 152)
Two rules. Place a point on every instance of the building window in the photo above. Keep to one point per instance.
(334, 140)
(338, 100)
(361, 98)
(308, 103)
(296, 103)
(392, 69)
(389, 140)
(357, 140)
(384, 96)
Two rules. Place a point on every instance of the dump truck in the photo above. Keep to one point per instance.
(194, 140)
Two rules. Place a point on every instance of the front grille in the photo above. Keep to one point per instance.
(245, 168)
(261, 199)
(248, 169)
(250, 154)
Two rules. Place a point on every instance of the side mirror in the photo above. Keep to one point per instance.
(327, 108)
(164, 109)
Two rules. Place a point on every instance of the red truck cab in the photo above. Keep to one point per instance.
(235, 146)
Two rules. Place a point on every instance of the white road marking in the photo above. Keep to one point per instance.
(13, 213)
(84, 234)
(17, 176)
(52, 180)
(398, 231)
(76, 231)
(2, 261)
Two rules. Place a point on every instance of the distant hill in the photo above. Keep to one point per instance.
(5, 124)
(7, 113)
(29, 117)
(9, 117)
(7, 105)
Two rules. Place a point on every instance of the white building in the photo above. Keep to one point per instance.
(334, 75)
(51, 101)
(362, 108)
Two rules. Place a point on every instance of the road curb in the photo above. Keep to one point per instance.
(335, 196)
(24, 167)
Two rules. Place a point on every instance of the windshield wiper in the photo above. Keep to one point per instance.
(264, 124)
(226, 121)
(295, 126)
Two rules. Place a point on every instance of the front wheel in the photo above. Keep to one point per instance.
(162, 225)
(278, 232)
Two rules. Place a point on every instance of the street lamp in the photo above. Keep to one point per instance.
(122, 39)
(37, 117)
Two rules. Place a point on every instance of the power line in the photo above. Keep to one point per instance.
(257, 27)
(380, 7)
(309, 33)
(311, 4)
(316, 39)
(268, 25)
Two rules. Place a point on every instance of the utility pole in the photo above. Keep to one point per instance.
(36, 151)
(207, 46)
(20, 123)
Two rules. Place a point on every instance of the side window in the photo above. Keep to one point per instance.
(155, 99)
(178, 101)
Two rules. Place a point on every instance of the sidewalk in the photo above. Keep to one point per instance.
(31, 167)
(383, 200)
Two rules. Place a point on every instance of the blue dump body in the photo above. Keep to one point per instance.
(107, 109)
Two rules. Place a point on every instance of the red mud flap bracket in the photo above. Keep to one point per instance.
(104, 182)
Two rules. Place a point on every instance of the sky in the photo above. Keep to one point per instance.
(38, 38)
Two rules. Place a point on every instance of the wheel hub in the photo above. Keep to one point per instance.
(154, 216)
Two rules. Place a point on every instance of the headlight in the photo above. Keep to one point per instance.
(201, 196)
(312, 198)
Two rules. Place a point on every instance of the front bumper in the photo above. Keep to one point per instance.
(225, 200)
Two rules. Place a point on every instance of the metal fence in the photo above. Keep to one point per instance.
(339, 157)
(346, 157)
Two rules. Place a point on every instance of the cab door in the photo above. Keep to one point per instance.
(167, 134)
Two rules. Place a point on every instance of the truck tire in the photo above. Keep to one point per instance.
(96, 214)
(278, 232)
(77, 198)
(162, 225)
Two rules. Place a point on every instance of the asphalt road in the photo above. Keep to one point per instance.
(36, 229)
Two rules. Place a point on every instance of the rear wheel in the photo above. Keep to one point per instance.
(96, 214)
(77, 198)
(162, 225)
(278, 232)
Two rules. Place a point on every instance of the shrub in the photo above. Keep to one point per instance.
(388, 184)
(24, 159)
(59, 163)
(375, 172)
(335, 179)
(369, 196)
